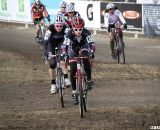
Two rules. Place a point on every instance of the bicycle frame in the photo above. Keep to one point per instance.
(118, 48)
(81, 83)
(41, 32)
(59, 77)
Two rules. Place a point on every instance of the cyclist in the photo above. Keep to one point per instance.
(63, 6)
(79, 39)
(70, 14)
(113, 16)
(54, 37)
(38, 12)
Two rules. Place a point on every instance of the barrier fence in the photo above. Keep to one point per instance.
(143, 18)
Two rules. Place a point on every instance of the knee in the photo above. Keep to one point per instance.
(53, 64)
(84, 53)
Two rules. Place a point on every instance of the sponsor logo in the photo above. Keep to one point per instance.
(158, 24)
(90, 12)
(131, 14)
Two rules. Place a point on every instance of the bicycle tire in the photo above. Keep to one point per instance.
(121, 53)
(85, 95)
(81, 103)
(80, 95)
(122, 57)
(116, 51)
(61, 89)
(59, 80)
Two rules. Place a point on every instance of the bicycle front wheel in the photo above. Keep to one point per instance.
(122, 57)
(80, 95)
(121, 54)
(60, 85)
(85, 94)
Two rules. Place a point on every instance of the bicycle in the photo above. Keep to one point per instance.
(41, 33)
(59, 77)
(81, 84)
(118, 46)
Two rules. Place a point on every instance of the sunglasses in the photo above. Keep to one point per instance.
(59, 26)
(110, 9)
(70, 12)
(63, 7)
(78, 29)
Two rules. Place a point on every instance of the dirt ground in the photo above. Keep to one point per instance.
(125, 97)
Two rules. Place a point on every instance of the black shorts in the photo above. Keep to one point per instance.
(37, 20)
(112, 25)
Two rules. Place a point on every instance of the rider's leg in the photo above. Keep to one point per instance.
(53, 75)
(111, 37)
(64, 68)
(87, 66)
(73, 69)
(121, 36)
(37, 31)
(65, 72)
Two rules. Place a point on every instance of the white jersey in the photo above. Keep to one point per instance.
(59, 12)
(110, 19)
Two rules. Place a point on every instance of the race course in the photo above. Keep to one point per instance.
(125, 97)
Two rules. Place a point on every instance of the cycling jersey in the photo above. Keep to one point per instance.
(111, 19)
(75, 43)
(68, 20)
(55, 38)
(38, 12)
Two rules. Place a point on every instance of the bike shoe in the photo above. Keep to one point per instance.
(75, 99)
(90, 85)
(53, 89)
(113, 56)
(67, 82)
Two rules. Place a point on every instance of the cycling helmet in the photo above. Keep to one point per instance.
(59, 19)
(63, 4)
(37, 2)
(77, 22)
(70, 8)
(110, 6)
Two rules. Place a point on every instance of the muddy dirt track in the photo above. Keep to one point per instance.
(125, 97)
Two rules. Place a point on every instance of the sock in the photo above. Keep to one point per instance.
(65, 76)
(112, 46)
(53, 81)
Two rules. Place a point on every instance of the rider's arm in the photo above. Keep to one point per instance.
(66, 42)
(48, 35)
(121, 18)
(91, 43)
(106, 20)
(32, 12)
(45, 12)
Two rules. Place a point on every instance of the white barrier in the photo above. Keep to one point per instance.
(15, 10)
(90, 12)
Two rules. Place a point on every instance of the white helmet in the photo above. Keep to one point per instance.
(110, 6)
(59, 19)
(37, 1)
(70, 8)
(63, 4)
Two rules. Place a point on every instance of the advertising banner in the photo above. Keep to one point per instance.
(90, 12)
(131, 12)
(16, 10)
(148, 1)
(151, 19)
